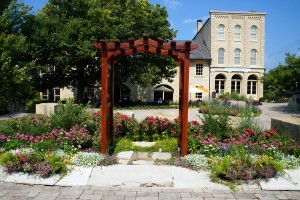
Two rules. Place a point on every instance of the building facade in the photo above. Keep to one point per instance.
(236, 42)
(229, 58)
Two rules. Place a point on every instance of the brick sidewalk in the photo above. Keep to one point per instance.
(41, 192)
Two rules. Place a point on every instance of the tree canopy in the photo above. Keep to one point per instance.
(64, 32)
(280, 82)
(14, 58)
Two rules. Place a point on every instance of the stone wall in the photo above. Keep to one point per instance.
(288, 125)
(294, 102)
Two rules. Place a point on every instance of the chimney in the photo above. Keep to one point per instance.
(199, 25)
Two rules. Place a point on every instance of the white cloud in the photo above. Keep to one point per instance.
(195, 31)
(187, 21)
(171, 3)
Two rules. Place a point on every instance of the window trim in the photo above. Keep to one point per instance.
(221, 33)
(253, 84)
(219, 81)
(236, 82)
(253, 58)
(221, 58)
(200, 70)
(253, 34)
(237, 57)
(198, 95)
(237, 34)
(56, 97)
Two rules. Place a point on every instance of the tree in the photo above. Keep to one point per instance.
(65, 31)
(14, 58)
(280, 82)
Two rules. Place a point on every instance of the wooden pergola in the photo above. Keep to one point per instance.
(112, 52)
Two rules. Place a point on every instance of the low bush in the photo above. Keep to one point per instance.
(87, 159)
(28, 160)
(199, 161)
(124, 145)
(244, 168)
(68, 115)
(166, 145)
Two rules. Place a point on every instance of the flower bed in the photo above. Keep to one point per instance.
(215, 145)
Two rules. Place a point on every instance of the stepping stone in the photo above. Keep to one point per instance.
(3, 174)
(186, 178)
(144, 144)
(125, 157)
(31, 179)
(78, 176)
(289, 181)
(143, 162)
(161, 156)
(131, 175)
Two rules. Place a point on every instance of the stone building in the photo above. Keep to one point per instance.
(230, 58)
(236, 42)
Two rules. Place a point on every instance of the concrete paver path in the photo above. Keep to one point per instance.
(269, 110)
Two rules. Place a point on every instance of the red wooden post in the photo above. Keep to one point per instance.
(111, 103)
(104, 88)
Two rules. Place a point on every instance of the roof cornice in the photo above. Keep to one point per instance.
(236, 12)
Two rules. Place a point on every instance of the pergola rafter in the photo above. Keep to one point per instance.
(112, 52)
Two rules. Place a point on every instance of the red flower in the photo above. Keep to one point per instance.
(292, 140)
(24, 159)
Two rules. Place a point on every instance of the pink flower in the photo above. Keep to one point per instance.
(24, 159)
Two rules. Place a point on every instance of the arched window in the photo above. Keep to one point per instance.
(236, 84)
(237, 32)
(221, 56)
(221, 32)
(252, 85)
(253, 33)
(253, 55)
(220, 83)
(163, 92)
(237, 57)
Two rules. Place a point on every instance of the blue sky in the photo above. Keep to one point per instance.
(282, 21)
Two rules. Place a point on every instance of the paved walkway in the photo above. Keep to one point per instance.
(269, 110)
(142, 182)
(41, 192)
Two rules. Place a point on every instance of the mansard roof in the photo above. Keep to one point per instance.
(201, 53)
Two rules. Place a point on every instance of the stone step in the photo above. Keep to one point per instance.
(143, 162)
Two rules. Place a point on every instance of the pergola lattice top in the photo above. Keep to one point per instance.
(145, 45)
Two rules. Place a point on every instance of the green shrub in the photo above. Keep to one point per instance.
(249, 122)
(124, 145)
(244, 167)
(68, 115)
(57, 163)
(7, 157)
(217, 125)
(167, 145)
(32, 124)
